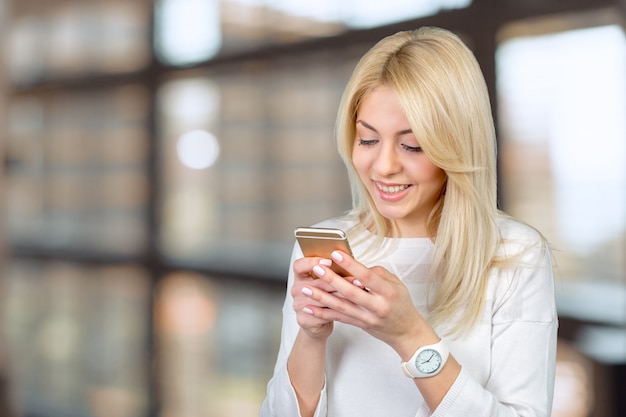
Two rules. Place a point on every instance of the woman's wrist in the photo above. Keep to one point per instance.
(319, 336)
(421, 335)
(411, 346)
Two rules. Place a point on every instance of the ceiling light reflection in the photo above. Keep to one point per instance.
(197, 149)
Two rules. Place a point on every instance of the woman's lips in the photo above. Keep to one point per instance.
(391, 192)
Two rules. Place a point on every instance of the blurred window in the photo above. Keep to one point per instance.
(187, 31)
(217, 339)
(270, 130)
(77, 38)
(562, 101)
(191, 31)
(562, 105)
(75, 337)
(150, 203)
(75, 175)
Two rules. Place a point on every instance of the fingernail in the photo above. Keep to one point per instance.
(307, 291)
(358, 283)
(318, 270)
(307, 310)
(326, 262)
(336, 256)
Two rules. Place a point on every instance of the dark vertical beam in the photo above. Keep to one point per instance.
(153, 258)
(619, 378)
(483, 31)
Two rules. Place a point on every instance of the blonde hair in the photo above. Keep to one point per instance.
(444, 95)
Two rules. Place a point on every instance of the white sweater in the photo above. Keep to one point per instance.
(507, 359)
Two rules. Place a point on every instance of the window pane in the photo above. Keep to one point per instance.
(76, 172)
(190, 31)
(366, 13)
(187, 31)
(562, 100)
(74, 339)
(217, 345)
(277, 167)
(76, 37)
(563, 104)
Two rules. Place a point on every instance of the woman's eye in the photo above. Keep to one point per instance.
(367, 142)
(412, 148)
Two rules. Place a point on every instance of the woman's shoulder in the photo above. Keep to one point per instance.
(512, 229)
(523, 281)
(518, 237)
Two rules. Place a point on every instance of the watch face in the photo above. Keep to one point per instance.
(428, 361)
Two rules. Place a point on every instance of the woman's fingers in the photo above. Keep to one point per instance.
(373, 299)
(304, 306)
(332, 307)
(360, 275)
(358, 299)
(345, 303)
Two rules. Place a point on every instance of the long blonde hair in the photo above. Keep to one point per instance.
(444, 96)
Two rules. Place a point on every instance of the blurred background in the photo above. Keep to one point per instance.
(157, 155)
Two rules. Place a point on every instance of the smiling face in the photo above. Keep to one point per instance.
(402, 182)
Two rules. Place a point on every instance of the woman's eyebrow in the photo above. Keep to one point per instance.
(369, 127)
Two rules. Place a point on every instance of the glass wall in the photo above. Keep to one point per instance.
(75, 38)
(75, 294)
(75, 169)
(562, 100)
(73, 338)
(191, 31)
(158, 155)
(217, 342)
(268, 134)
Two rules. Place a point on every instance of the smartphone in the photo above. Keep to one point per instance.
(321, 241)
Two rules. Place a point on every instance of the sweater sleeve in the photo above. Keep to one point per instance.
(281, 398)
(523, 347)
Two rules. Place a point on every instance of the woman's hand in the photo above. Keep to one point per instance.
(305, 282)
(371, 298)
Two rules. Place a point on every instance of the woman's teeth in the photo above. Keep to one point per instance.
(391, 189)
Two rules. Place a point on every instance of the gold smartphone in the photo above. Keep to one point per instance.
(322, 241)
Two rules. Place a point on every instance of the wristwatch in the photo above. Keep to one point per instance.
(426, 361)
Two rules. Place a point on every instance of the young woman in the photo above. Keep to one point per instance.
(448, 309)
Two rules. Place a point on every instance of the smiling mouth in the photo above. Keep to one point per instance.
(391, 189)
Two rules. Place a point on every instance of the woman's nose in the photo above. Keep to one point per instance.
(387, 161)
